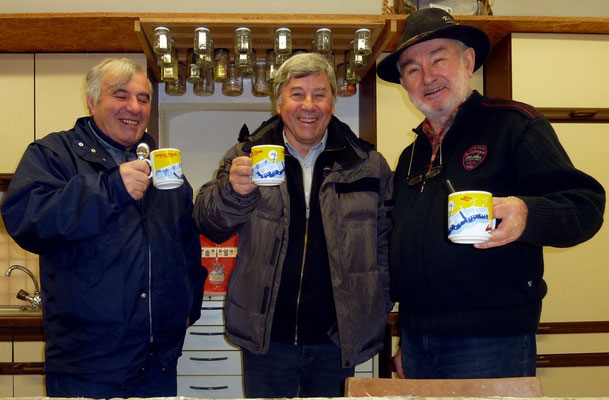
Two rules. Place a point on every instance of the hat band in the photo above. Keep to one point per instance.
(415, 38)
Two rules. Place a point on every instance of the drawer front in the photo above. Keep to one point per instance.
(212, 313)
(210, 363)
(210, 387)
(206, 338)
(366, 366)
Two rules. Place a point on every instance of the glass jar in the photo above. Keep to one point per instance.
(205, 87)
(221, 65)
(162, 40)
(260, 86)
(361, 44)
(202, 42)
(271, 68)
(283, 41)
(323, 41)
(170, 74)
(164, 60)
(177, 87)
(233, 86)
(280, 59)
(343, 88)
(245, 63)
(358, 61)
(193, 71)
(206, 61)
(242, 41)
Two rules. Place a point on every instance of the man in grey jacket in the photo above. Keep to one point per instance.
(309, 296)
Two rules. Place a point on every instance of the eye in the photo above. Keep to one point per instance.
(297, 96)
(143, 100)
(411, 70)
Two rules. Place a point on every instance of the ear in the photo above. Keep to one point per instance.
(469, 60)
(90, 104)
(277, 108)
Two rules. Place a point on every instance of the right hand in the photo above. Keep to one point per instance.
(397, 361)
(240, 175)
(135, 177)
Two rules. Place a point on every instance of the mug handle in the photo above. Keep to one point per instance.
(150, 165)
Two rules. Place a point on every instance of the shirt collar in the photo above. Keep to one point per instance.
(316, 149)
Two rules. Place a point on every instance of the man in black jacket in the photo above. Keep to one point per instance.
(120, 262)
(472, 311)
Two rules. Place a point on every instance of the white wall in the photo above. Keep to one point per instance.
(591, 8)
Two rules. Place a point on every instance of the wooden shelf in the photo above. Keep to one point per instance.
(383, 30)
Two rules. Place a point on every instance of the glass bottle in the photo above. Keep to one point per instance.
(233, 86)
(271, 68)
(283, 41)
(221, 65)
(242, 41)
(351, 75)
(362, 45)
(260, 86)
(162, 40)
(193, 71)
(205, 87)
(323, 41)
(202, 42)
(280, 59)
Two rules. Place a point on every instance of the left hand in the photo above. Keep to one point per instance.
(513, 214)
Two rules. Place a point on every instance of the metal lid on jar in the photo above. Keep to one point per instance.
(324, 30)
(283, 29)
(202, 29)
(363, 30)
(243, 29)
(161, 28)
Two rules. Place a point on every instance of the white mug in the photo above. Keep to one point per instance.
(166, 168)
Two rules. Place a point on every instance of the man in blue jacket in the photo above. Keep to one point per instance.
(119, 259)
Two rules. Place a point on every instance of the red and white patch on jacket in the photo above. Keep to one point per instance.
(474, 156)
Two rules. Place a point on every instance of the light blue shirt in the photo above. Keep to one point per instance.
(307, 163)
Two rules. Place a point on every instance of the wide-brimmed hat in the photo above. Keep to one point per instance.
(433, 23)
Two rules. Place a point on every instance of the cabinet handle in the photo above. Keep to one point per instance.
(207, 333)
(209, 387)
(212, 308)
(209, 359)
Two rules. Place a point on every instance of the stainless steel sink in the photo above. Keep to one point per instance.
(18, 310)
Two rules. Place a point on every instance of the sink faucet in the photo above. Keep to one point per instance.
(34, 300)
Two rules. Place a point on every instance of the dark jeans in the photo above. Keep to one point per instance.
(295, 371)
(152, 380)
(446, 357)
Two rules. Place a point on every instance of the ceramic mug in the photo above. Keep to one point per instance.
(268, 165)
(166, 168)
(470, 217)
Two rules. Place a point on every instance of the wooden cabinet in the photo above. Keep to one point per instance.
(16, 108)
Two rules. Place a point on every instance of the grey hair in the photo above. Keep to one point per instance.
(299, 66)
(121, 69)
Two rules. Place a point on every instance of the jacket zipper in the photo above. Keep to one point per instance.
(304, 256)
(150, 291)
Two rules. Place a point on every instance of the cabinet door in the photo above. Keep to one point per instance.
(16, 108)
(60, 88)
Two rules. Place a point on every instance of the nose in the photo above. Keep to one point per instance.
(133, 105)
(307, 104)
(428, 75)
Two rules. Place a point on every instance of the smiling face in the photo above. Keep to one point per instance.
(436, 75)
(306, 109)
(122, 111)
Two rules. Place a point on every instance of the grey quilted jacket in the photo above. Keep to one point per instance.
(356, 224)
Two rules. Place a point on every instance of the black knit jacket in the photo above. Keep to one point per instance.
(508, 149)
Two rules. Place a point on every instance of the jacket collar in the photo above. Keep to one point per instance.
(347, 148)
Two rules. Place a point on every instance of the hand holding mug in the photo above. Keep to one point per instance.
(240, 175)
(135, 178)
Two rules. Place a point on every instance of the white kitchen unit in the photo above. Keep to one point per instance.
(210, 367)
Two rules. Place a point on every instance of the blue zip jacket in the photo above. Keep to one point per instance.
(119, 277)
